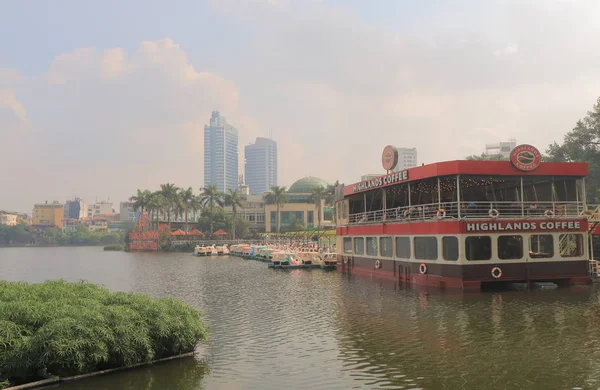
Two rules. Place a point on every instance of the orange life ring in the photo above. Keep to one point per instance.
(496, 273)
(423, 269)
(441, 214)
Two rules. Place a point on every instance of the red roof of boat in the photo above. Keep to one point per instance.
(476, 167)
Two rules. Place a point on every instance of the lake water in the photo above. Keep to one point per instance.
(311, 329)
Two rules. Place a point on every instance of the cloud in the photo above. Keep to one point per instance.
(331, 86)
(110, 121)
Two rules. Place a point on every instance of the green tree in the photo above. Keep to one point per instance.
(233, 199)
(277, 196)
(317, 195)
(141, 200)
(583, 144)
(186, 197)
(487, 157)
(211, 197)
(169, 193)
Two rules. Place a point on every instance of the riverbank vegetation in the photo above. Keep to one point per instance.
(63, 329)
(114, 247)
(204, 211)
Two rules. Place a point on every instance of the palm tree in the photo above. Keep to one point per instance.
(209, 198)
(186, 197)
(195, 205)
(233, 199)
(169, 193)
(317, 195)
(155, 204)
(141, 200)
(278, 196)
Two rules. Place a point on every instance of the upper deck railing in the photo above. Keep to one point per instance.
(476, 210)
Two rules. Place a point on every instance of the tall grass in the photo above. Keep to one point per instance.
(60, 328)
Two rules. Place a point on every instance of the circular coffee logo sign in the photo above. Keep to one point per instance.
(525, 157)
(389, 157)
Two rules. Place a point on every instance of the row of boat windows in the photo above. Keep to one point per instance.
(476, 247)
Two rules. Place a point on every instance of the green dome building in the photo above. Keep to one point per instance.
(304, 185)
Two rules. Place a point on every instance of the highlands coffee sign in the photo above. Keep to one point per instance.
(525, 157)
(521, 226)
(383, 181)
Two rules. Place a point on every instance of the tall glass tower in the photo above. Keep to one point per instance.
(261, 165)
(220, 154)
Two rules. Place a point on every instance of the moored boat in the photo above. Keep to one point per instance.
(329, 260)
(462, 224)
(201, 251)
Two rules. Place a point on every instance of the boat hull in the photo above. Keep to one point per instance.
(469, 276)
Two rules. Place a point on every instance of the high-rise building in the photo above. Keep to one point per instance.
(220, 153)
(407, 158)
(75, 209)
(261, 165)
(501, 148)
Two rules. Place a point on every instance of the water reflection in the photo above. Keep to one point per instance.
(190, 374)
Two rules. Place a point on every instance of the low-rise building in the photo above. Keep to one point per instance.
(23, 219)
(48, 215)
(127, 212)
(76, 209)
(102, 207)
(8, 218)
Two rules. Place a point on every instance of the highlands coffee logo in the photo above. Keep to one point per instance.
(525, 157)
(389, 157)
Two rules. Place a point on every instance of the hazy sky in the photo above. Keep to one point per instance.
(100, 98)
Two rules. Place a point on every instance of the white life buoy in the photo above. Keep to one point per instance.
(493, 213)
(423, 269)
(345, 259)
(406, 212)
(549, 213)
(441, 214)
(377, 264)
(496, 272)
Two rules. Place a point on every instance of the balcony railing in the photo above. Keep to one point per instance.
(476, 210)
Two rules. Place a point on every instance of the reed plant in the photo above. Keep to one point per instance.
(63, 329)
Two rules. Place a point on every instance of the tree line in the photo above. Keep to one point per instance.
(582, 143)
(207, 207)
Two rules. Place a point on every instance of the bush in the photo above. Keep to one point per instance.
(64, 329)
(114, 247)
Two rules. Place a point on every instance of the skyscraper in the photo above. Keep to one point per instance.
(261, 165)
(220, 153)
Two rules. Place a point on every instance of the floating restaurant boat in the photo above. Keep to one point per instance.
(461, 224)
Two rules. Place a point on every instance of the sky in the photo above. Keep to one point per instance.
(98, 99)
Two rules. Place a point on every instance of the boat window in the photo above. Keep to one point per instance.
(450, 248)
(403, 247)
(374, 200)
(426, 248)
(570, 245)
(372, 246)
(359, 245)
(396, 196)
(347, 244)
(385, 243)
(478, 248)
(541, 246)
(424, 191)
(510, 247)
